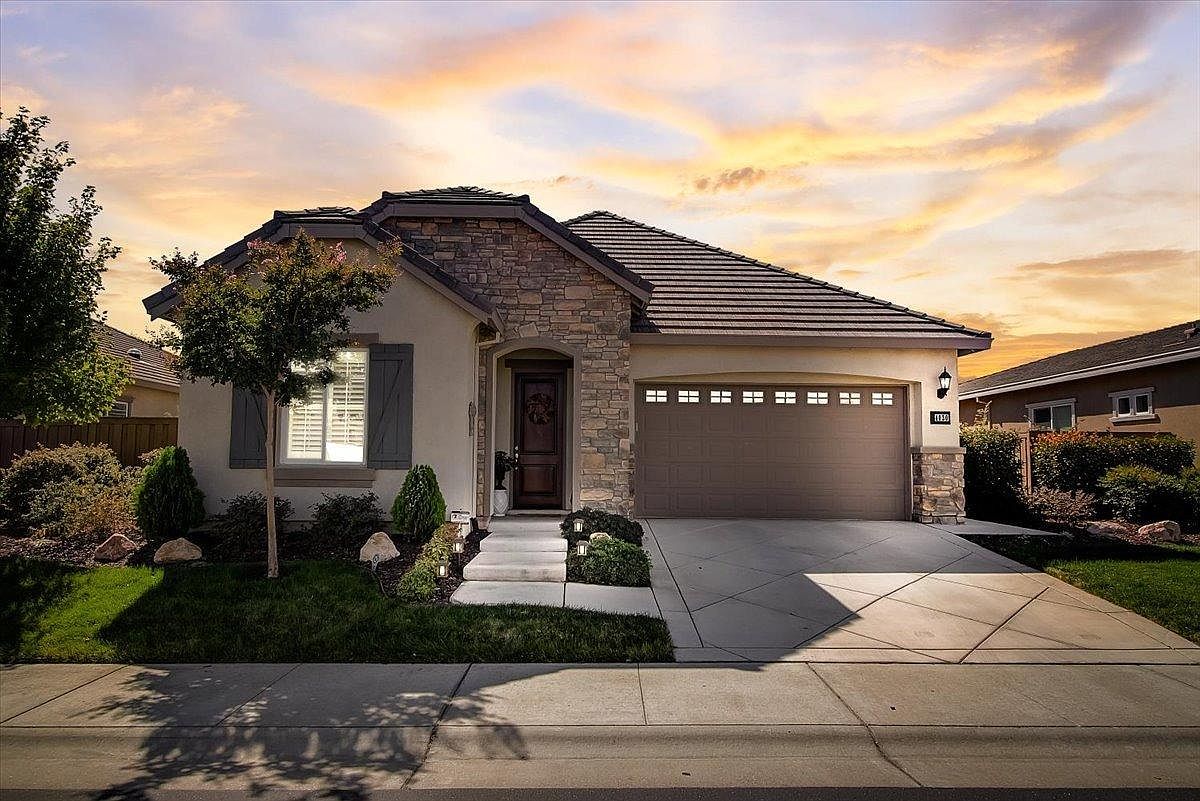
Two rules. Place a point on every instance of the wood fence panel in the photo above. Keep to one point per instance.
(129, 437)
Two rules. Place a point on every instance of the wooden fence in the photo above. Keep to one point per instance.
(129, 437)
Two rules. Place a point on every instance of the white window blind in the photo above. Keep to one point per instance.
(330, 425)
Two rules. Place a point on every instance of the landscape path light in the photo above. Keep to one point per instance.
(581, 547)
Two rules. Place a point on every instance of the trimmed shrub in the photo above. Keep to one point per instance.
(43, 472)
(1059, 507)
(992, 472)
(1141, 494)
(341, 523)
(167, 500)
(616, 563)
(419, 582)
(239, 534)
(419, 507)
(1077, 460)
(83, 509)
(617, 526)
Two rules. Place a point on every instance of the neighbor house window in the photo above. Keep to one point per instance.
(849, 398)
(720, 396)
(1052, 415)
(818, 398)
(330, 425)
(881, 399)
(752, 396)
(119, 409)
(1131, 404)
(689, 396)
(785, 397)
(656, 396)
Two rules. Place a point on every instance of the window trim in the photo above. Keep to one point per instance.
(1030, 407)
(283, 459)
(125, 402)
(655, 395)
(1134, 415)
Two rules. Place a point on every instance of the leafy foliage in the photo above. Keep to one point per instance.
(1077, 460)
(1142, 494)
(341, 523)
(992, 471)
(1060, 507)
(50, 271)
(616, 563)
(419, 508)
(502, 466)
(167, 500)
(419, 582)
(239, 533)
(40, 487)
(615, 525)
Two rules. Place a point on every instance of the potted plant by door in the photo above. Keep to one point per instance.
(504, 464)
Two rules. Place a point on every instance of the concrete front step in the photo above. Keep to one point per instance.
(544, 526)
(522, 543)
(517, 566)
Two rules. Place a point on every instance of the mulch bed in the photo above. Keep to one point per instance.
(66, 551)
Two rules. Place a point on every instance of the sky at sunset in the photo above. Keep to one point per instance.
(1029, 169)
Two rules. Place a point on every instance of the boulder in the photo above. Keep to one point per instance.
(378, 544)
(1109, 528)
(178, 550)
(600, 535)
(1162, 531)
(114, 549)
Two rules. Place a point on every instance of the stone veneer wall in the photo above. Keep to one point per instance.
(938, 485)
(540, 290)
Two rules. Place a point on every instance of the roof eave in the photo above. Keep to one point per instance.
(1087, 372)
(961, 343)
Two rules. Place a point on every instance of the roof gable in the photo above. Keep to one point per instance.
(701, 289)
(1173, 343)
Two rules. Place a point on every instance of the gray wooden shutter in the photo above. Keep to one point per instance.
(390, 407)
(248, 430)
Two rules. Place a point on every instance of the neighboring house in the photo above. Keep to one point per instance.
(1144, 383)
(625, 366)
(153, 390)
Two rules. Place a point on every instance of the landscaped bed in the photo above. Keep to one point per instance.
(317, 611)
(1160, 582)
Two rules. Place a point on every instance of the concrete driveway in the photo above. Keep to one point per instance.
(876, 591)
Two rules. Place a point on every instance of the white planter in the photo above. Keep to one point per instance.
(499, 502)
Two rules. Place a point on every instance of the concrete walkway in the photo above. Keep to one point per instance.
(871, 591)
(362, 727)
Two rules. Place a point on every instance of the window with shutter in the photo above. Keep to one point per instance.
(329, 426)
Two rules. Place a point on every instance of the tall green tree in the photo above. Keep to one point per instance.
(51, 365)
(272, 325)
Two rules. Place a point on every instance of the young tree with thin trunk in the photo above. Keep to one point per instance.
(272, 325)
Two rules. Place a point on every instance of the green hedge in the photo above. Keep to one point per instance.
(1077, 460)
(616, 564)
(615, 525)
(419, 582)
(167, 500)
(1141, 494)
(992, 470)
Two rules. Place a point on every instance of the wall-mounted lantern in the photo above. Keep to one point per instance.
(944, 383)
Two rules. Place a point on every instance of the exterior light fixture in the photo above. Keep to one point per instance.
(443, 568)
(944, 383)
(581, 547)
(458, 546)
(375, 560)
(578, 525)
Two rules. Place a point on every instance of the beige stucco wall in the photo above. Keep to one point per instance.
(916, 369)
(444, 381)
(151, 401)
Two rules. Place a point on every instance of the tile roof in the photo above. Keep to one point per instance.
(152, 364)
(1132, 351)
(702, 289)
(456, 194)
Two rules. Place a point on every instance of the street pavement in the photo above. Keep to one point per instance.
(361, 730)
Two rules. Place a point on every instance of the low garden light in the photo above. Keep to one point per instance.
(443, 568)
(578, 525)
(944, 383)
(581, 547)
(459, 546)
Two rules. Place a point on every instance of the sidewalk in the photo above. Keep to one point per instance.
(368, 727)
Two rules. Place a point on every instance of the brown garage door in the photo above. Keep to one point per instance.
(711, 450)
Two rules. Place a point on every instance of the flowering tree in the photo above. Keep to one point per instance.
(271, 326)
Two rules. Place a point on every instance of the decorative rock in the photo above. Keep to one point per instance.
(114, 549)
(178, 550)
(600, 535)
(1108, 528)
(378, 544)
(1162, 531)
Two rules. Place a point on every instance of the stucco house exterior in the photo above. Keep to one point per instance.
(153, 388)
(1147, 383)
(623, 366)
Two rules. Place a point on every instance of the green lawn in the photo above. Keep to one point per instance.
(1160, 582)
(318, 611)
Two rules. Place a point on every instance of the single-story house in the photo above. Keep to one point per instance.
(153, 388)
(624, 366)
(1144, 384)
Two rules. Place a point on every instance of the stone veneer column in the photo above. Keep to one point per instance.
(938, 484)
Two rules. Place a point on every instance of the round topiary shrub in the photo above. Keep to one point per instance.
(167, 500)
(419, 508)
(616, 563)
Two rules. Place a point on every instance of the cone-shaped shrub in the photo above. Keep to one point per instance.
(167, 500)
(419, 508)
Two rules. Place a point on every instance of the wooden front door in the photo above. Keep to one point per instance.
(538, 438)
